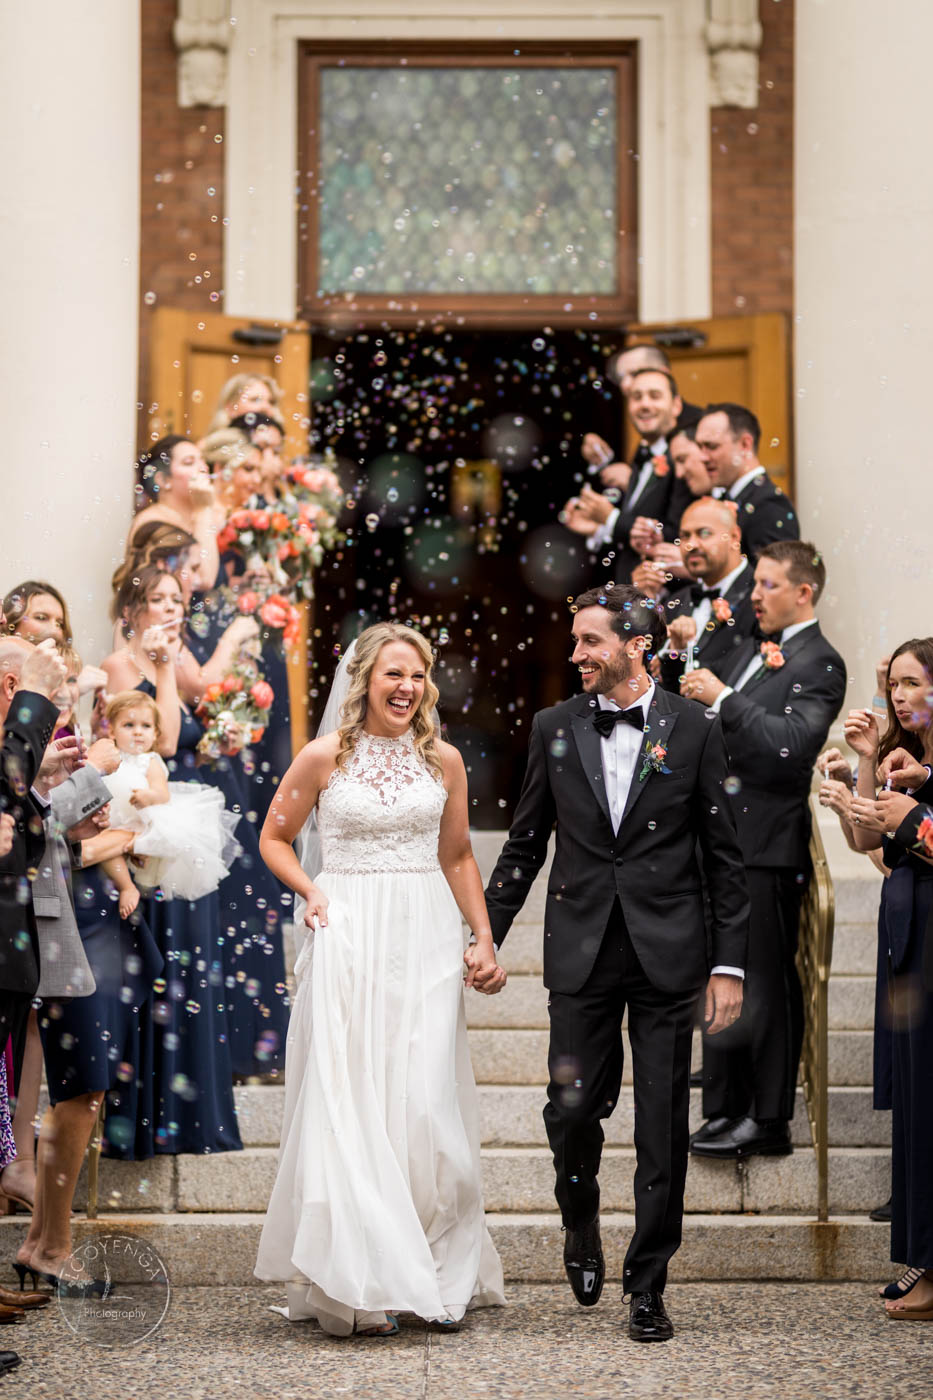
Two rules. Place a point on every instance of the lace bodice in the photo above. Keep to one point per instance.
(381, 813)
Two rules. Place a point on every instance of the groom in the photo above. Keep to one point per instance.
(633, 778)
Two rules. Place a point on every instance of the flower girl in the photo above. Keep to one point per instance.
(183, 829)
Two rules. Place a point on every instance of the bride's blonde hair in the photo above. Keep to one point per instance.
(360, 669)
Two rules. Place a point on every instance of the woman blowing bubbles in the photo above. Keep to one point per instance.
(896, 821)
(377, 1206)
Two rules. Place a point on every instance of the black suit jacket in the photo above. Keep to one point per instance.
(654, 501)
(27, 731)
(650, 867)
(765, 514)
(718, 642)
(774, 729)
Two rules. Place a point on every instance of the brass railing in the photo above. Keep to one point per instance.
(814, 959)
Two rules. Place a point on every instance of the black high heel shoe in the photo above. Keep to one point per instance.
(76, 1288)
(21, 1270)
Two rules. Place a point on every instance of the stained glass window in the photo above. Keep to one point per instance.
(474, 181)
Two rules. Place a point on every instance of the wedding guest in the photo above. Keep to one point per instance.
(92, 1045)
(236, 467)
(776, 701)
(247, 393)
(266, 433)
(714, 614)
(728, 437)
(194, 1109)
(173, 486)
(899, 820)
(35, 610)
(654, 405)
(159, 659)
(621, 366)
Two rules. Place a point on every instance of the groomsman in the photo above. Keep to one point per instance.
(728, 436)
(777, 700)
(622, 532)
(714, 614)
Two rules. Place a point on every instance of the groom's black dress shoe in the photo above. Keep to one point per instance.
(711, 1128)
(648, 1320)
(583, 1262)
(746, 1137)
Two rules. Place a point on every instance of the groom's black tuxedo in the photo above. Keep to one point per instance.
(650, 866)
(624, 930)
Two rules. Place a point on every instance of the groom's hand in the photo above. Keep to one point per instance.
(483, 972)
(723, 1002)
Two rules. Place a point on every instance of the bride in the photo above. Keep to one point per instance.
(377, 1206)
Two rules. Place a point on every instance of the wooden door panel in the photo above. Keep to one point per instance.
(193, 355)
(737, 359)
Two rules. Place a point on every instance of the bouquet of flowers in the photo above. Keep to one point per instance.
(283, 538)
(315, 495)
(234, 711)
(275, 613)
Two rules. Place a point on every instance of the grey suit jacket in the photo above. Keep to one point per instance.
(64, 970)
(78, 796)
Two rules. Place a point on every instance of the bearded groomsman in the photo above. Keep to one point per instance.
(777, 700)
(709, 618)
(633, 779)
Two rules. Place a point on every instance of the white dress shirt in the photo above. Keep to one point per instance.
(733, 492)
(604, 533)
(757, 661)
(621, 751)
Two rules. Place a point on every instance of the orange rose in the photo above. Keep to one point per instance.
(256, 735)
(261, 519)
(213, 692)
(263, 694)
(248, 602)
(661, 466)
(280, 521)
(232, 685)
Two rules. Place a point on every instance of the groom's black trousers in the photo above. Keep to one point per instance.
(585, 1067)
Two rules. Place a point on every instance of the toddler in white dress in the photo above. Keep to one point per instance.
(183, 829)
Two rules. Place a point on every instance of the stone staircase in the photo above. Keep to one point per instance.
(755, 1220)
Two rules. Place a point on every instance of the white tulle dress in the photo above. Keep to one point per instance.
(377, 1204)
(188, 841)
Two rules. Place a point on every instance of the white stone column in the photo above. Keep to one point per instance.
(864, 318)
(69, 267)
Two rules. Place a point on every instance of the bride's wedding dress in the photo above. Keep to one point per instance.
(378, 1203)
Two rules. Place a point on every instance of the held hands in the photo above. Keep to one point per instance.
(98, 821)
(483, 972)
(701, 685)
(723, 1002)
(861, 731)
(902, 770)
(865, 812)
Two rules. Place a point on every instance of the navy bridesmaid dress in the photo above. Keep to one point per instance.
(193, 1058)
(105, 1041)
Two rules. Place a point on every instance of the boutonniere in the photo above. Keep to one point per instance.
(721, 610)
(653, 756)
(772, 656)
(661, 466)
(924, 841)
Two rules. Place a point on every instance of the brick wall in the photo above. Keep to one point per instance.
(753, 182)
(182, 160)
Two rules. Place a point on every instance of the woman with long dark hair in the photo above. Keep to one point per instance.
(893, 819)
(172, 485)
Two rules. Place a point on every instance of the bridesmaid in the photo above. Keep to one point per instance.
(94, 1046)
(194, 1071)
(249, 917)
(905, 756)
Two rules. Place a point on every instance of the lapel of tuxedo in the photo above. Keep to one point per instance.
(660, 727)
(586, 737)
(797, 644)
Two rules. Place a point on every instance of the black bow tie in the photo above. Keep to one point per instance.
(606, 720)
(699, 591)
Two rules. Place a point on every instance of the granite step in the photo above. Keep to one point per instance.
(510, 1116)
(522, 1005)
(514, 1179)
(504, 1056)
(220, 1249)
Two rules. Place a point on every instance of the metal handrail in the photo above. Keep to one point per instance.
(814, 961)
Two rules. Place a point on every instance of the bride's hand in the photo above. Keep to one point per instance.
(483, 972)
(316, 909)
